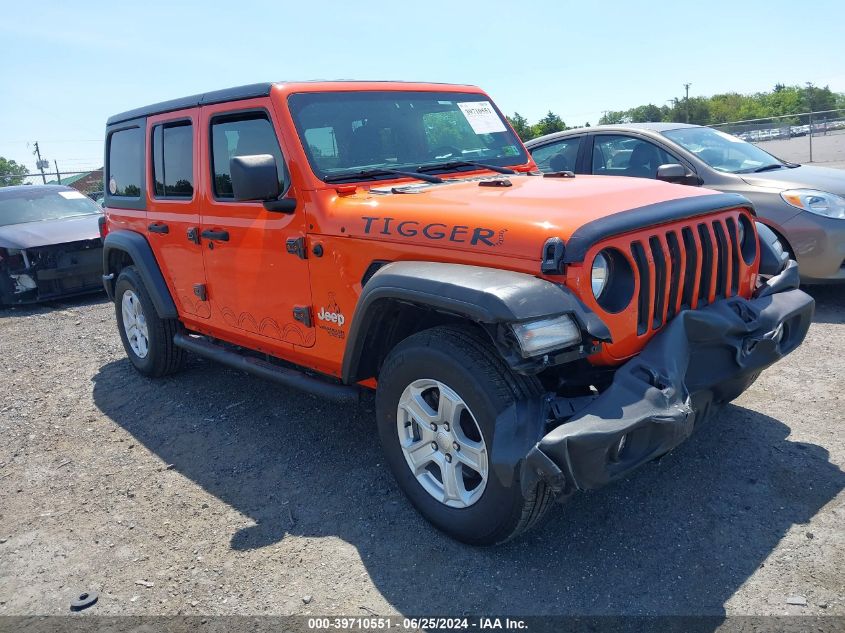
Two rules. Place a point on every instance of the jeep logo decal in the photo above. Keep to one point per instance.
(331, 317)
(458, 233)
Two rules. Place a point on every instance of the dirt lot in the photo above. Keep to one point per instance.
(828, 149)
(212, 492)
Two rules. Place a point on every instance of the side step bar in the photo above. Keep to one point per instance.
(268, 371)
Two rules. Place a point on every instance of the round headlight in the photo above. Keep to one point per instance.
(612, 280)
(599, 275)
(741, 233)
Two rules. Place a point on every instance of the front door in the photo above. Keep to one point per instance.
(625, 155)
(259, 291)
(173, 209)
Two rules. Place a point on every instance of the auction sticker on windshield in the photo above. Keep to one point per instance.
(482, 117)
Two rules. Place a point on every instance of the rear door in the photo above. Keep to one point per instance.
(173, 208)
(258, 282)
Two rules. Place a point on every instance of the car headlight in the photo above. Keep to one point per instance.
(599, 275)
(545, 335)
(819, 202)
(740, 229)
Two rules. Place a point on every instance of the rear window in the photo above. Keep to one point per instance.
(173, 160)
(125, 163)
(36, 204)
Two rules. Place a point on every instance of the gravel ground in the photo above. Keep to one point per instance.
(211, 492)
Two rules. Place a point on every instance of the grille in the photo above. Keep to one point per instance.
(685, 267)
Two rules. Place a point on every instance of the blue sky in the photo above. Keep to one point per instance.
(68, 65)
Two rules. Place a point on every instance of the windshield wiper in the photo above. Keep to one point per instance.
(769, 167)
(367, 173)
(465, 163)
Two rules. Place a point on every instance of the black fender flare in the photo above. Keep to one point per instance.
(488, 296)
(136, 246)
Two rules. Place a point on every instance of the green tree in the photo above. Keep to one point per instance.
(818, 98)
(611, 117)
(644, 114)
(548, 124)
(521, 126)
(781, 101)
(11, 173)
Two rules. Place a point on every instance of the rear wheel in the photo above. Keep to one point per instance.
(147, 338)
(439, 394)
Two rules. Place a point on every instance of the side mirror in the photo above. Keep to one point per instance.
(671, 173)
(254, 177)
(678, 174)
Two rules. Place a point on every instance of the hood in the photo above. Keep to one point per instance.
(513, 221)
(801, 177)
(44, 233)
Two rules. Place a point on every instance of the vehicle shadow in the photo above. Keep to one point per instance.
(830, 302)
(678, 537)
(45, 307)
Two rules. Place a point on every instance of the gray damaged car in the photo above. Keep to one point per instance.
(803, 204)
(50, 245)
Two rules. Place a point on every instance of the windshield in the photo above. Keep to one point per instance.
(723, 152)
(351, 132)
(34, 204)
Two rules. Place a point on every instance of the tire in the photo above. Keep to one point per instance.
(159, 356)
(454, 361)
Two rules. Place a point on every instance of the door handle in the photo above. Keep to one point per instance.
(220, 236)
(157, 227)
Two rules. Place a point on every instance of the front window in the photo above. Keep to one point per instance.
(35, 204)
(242, 134)
(349, 132)
(723, 152)
(622, 155)
(557, 156)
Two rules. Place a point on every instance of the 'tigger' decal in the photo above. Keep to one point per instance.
(457, 233)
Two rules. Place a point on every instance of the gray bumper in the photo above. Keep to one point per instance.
(700, 361)
(819, 245)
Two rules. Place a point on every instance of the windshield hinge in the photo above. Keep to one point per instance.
(552, 257)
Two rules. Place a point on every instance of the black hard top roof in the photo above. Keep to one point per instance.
(216, 96)
(250, 91)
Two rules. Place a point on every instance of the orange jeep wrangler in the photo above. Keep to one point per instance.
(527, 335)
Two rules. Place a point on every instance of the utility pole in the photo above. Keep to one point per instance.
(40, 164)
(58, 175)
(686, 87)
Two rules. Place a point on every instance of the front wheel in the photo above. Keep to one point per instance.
(147, 338)
(439, 394)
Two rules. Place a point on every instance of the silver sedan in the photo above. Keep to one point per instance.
(803, 204)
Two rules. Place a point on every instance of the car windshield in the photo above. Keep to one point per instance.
(34, 204)
(723, 152)
(347, 133)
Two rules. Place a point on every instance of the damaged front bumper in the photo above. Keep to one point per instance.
(702, 360)
(50, 272)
